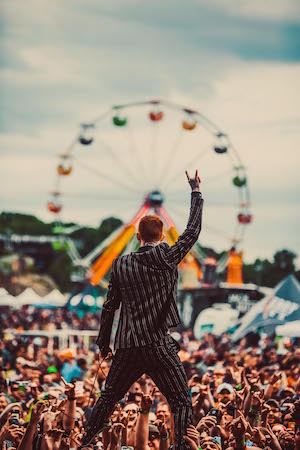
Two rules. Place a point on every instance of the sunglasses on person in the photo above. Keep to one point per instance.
(18, 389)
(133, 411)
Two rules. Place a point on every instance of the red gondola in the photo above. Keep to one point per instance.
(244, 219)
(54, 205)
(156, 117)
(54, 208)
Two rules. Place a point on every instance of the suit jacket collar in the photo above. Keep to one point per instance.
(145, 248)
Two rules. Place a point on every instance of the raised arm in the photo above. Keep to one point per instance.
(174, 254)
(142, 426)
(107, 316)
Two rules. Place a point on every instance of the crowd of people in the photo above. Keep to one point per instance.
(243, 395)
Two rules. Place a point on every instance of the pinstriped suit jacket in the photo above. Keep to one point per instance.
(144, 283)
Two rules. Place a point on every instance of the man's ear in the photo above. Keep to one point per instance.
(162, 237)
(138, 236)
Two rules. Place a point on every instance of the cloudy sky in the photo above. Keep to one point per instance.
(63, 63)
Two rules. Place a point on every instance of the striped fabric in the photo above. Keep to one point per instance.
(144, 284)
(162, 364)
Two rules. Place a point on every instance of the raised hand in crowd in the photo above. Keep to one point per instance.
(192, 438)
(31, 429)
(115, 436)
(12, 433)
(69, 413)
(236, 402)
(142, 427)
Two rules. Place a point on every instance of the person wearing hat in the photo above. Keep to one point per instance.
(287, 392)
(224, 393)
(153, 437)
(275, 414)
(51, 377)
(70, 368)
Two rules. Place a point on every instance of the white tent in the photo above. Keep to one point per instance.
(215, 320)
(289, 329)
(5, 298)
(280, 307)
(28, 297)
(55, 298)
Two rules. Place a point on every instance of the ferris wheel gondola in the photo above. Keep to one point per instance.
(54, 204)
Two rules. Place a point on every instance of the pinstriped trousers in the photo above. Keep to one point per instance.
(162, 363)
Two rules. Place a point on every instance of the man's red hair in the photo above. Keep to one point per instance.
(151, 228)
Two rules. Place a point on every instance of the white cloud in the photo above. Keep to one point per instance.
(266, 9)
(67, 64)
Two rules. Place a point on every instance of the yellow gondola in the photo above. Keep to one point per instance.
(188, 125)
(61, 170)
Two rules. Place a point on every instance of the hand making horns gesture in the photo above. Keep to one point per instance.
(194, 182)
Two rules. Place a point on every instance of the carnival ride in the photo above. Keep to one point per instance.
(151, 143)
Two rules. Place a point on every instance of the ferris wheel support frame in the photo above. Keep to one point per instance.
(102, 265)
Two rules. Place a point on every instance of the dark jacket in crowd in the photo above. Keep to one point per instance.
(144, 283)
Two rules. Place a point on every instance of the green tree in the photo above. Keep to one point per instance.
(284, 261)
(23, 224)
(88, 238)
(267, 273)
(60, 270)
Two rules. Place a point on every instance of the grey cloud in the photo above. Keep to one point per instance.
(63, 62)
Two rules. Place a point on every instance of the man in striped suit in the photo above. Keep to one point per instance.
(144, 284)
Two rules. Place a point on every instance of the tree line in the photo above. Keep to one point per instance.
(263, 272)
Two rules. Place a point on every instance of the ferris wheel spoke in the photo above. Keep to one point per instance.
(177, 212)
(115, 181)
(222, 204)
(206, 228)
(197, 157)
(135, 152)
(170, 160)
(240, 233)
(108, 198)
(119, 161)
(217, 204)
(102, 116)
(212, 230)
(218, 176)
(153, 152)
(57, 184)
(72, 145)
(235, 152)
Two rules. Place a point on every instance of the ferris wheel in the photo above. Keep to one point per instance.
(150, 144)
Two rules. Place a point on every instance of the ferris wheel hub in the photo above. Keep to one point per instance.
(154, 199)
